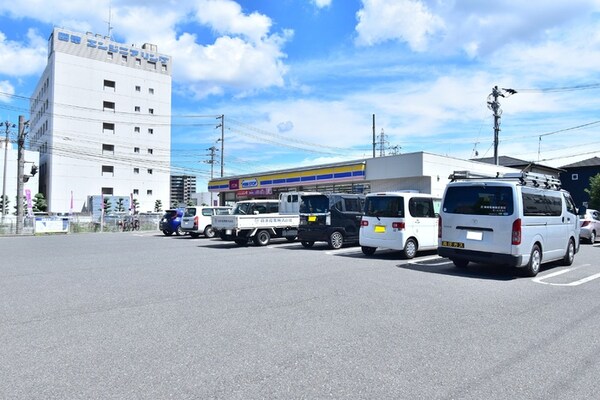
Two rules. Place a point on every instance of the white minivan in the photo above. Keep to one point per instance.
(406, 221)
(198, 220)
(521, 220)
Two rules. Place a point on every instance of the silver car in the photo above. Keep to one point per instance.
(590, 225)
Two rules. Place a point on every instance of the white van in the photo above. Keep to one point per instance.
(521, 220)
(406, 221)
(198, 220)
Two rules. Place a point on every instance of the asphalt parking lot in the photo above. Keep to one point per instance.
(141, 315)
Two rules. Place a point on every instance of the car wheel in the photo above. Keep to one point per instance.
(410, 248)
(307, 244)
(178, 231)
(460, 263)
(209, 232)
(570, 254)
(167, 233)
(336, 240)
(593, 237)
(368, 251)
(535, 261)
(262, 238)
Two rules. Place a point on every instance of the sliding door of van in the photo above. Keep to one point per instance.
(425, 222)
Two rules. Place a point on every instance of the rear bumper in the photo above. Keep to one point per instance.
(481, 256)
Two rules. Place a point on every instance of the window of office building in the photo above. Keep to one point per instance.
(109, 55)
(136, 191)
(108, 106)
(108, 148)
(136, 149)
(138, 61)
(150, 171)
(108, 170)
(137, 108)
(149, 192)
(136, 129)
(109, 85)
(108, 127)
(150, 131)
(138, 88)
(151, 90)
(150, 151)
(151, 111)
(123, 58)
(136, 170)
(107, 190)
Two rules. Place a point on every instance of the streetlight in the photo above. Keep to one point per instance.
(494, 105)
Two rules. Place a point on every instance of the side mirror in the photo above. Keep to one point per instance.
(581, 210)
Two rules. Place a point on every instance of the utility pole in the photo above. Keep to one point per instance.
(7, 125)
(213, 151)
(222, 126)
(374, 136)
(20, 173)
(494, 105)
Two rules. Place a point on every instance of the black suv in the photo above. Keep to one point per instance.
(333, 218)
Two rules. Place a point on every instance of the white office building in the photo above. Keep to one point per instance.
(100, 119)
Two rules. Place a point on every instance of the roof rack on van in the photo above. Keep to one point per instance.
(525, 178)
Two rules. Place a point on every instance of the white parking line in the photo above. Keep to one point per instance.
(421, 260)
(541, 279)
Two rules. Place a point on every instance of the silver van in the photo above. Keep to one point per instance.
(521, 220)
(198, 220)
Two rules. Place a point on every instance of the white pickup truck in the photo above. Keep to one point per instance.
(259, 221)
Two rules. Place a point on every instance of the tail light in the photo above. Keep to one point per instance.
(196, 220)
(585, 223)
(439, 227)
(398, 225)
(516, 232)
(364, 223)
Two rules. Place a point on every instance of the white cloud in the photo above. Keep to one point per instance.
(242, 57)
(408, 21)
(19, 59)
(6, 91)
(322, 3)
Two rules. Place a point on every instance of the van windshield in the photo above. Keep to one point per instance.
(314, 204)
(479, 200)
(384, 206)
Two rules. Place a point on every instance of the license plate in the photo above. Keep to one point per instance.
(459, 245)
(312, 218)
(474, 235)
(379, 228)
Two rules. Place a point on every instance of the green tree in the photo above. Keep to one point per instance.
(135, 206)
(594, 192)
(2, 199)
(189, 203)
(39, 203)
(120, 206)
(157, 206)
(107, 206)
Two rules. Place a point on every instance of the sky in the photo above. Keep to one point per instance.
(299, 81)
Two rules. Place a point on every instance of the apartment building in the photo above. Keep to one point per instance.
(182, 188)
(100, 119)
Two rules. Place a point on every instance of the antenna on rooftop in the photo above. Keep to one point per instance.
(110, 28)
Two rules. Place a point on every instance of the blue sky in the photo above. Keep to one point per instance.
(299, 80)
